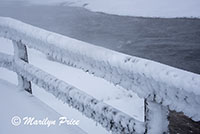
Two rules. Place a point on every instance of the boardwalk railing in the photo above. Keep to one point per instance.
(162, 87)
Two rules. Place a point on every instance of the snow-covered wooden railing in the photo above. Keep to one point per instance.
(109, 117)
(163, 87)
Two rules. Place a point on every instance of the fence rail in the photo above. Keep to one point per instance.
(163, 87)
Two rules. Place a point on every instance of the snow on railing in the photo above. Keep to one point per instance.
(109, 117)
(162, 86)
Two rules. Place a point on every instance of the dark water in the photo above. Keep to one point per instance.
(175, 42)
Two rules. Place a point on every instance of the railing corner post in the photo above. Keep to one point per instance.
(20, 51)
(156, 118)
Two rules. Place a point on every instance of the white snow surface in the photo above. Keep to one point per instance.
(144, 8)
(149, 79)
(15, 102)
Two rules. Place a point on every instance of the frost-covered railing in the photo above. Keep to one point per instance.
(163, 87)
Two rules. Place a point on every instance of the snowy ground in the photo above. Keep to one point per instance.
(99, 88)
(15, 102)
(144, 8)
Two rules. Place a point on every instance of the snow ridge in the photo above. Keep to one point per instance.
(109, 117)
(177, 89)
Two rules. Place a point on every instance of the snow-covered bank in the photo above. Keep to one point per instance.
(144, 8)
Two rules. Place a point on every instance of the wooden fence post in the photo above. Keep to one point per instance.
(20, 51)
(156, 118)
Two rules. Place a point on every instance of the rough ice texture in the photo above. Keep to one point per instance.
(109, 117)
(156, 117)
(177, 89)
